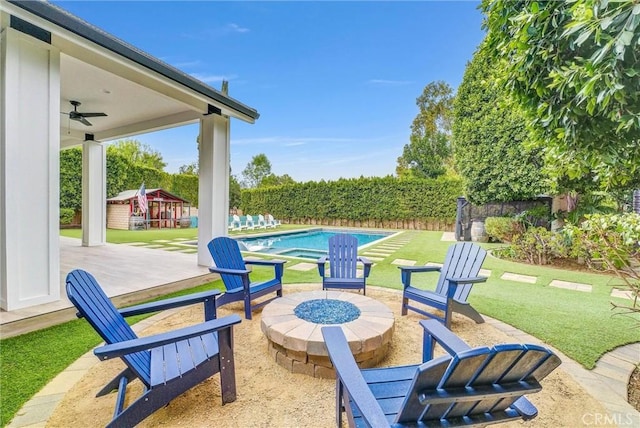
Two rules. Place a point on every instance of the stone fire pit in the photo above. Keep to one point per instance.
(292, 326)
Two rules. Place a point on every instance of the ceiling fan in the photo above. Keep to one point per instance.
(81, 117)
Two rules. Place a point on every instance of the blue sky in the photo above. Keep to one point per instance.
(335, 83)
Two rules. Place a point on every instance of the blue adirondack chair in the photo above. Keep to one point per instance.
(457, 276)
(471, 387)
(235, 275)
(168, 364)
(343, 260)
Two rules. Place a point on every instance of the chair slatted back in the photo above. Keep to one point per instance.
(343, 256)
(474, 382)
(226, 255)
(93, 304)
(463, 259)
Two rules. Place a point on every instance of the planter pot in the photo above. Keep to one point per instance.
(478, 233)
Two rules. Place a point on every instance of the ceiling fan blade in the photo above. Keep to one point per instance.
(85, 121)
(93, 114)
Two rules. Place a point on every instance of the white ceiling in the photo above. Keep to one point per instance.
(125, 102)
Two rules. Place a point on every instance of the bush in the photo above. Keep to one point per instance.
(66, 215)
(537, 246)
(503, 229)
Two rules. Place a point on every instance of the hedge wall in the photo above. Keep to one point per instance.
(121, 175)
(378, 201)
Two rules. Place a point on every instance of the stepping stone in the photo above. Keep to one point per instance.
(303, 266)
(576, 286)
(161, 240)
(403, 262)
(375, 259)
(434, 264)
(448, 237)
(183, 239)
(484, 272)
(623, 294)
(377, 253)
(519, 278)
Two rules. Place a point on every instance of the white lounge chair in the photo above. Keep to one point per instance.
(262, 223)
(271, 221)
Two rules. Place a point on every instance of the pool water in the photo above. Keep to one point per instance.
(310, 244)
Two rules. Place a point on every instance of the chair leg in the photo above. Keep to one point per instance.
(227, 366)
(468, 311)
(247, 306)
(405, 303)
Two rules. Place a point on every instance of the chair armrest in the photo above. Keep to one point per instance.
(264, 262)
(278, 265)
(467, 280)
(434, 332)
(175, 302)
(367, 265)
(405, 272)
(321, 262)
(120, 349)
(240, 272)
(351, 379)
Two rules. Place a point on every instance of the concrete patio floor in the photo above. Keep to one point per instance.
(126, 273)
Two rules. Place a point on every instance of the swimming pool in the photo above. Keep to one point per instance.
(309, 244)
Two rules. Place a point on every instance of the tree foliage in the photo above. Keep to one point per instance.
(256, 170)
(575, 68)
(489, 139)
(191, 168)
(138, 153)
(429, 147)
(276, 180)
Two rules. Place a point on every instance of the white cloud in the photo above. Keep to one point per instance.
(237, 29)
(214, 33)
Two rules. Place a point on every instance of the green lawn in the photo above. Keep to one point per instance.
(581, 325)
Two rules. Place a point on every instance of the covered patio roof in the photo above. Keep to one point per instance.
(138, 92)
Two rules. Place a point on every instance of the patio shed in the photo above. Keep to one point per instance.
(65, 83)
(165, 210)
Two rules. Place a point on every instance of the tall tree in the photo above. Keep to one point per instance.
(256, 170)
(490, 138)
(574, 66)
(429, 148)
(276, 180)
(138, 153)
(235, 191)
(191, 168)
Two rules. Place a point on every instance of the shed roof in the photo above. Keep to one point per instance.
(151, 195)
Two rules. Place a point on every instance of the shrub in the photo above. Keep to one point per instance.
(538, 246)
(66, 215)
(503, 229)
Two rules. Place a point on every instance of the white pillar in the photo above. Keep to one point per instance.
(213, 190)
(29, 170)
(94, 194)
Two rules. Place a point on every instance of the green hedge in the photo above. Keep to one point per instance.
(361, 199)
(121, 175)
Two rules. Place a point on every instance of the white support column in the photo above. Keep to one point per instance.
(213, 191)
(29, 171)
(94, 194)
